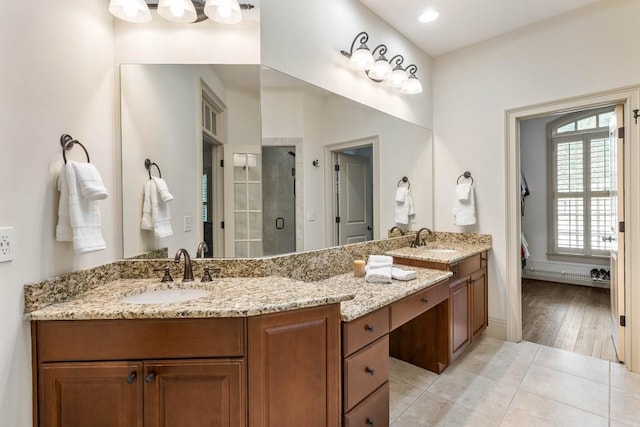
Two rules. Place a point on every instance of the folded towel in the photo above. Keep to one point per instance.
(464, 212)
(404, 209)
(89, 181)
(380, 259)
(83, 214)
(400, 274)
(463, 190)
(378, 274)
(401, 193)
(163, 189)
(155, 212)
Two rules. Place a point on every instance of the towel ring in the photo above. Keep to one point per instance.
(147, 165)
(67, 143)
(405, 180)
(466, 175)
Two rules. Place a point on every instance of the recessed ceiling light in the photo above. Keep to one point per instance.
(429, 16)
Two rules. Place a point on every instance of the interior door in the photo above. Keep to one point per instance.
(355, 199)
(616, 237)
(242, 201)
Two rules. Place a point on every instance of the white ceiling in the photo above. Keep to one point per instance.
(465, 22)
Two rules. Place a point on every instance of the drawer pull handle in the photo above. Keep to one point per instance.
(150, 377)
(425, 300)
(370, 422)
(455, 273)
(132, 377)
(370, 371)
(369, 328)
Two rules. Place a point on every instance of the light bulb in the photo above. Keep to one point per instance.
(397, 77)
(177, 9)
(224, 10)
(130, 8)
(361, 59)
(135, 11)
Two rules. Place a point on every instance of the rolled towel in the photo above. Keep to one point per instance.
(163, 189)
(400, 274)
(462, 191)
(89, 181)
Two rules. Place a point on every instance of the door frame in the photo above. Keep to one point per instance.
(330, 193)
(630, 98)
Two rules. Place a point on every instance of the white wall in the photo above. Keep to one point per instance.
(474, 86)
(304, 39)
(56, 77)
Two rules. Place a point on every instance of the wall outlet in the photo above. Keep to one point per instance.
(7, 249)
(187, 223)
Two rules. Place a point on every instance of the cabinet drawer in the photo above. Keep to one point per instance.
(365, 371)
(409, 307)
(373, 411)
(80, 340)
(364, 330)
(469, 265)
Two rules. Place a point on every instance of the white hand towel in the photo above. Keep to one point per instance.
(160, 215)
(147, 222)
(463, 190)
(378, 275)
(464, 212)
(63, 229)
(400, 274)
(84, 215)
(380, 259)
(89, 181)
(404, 209)
(401, 193)
(163, 189)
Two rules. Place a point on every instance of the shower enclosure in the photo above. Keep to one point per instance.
(279, 199)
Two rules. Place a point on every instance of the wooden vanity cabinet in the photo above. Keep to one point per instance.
(189, 372)
(468, 298)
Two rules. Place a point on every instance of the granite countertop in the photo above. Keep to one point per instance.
(443, 251)
(372, 296)
(231, 297)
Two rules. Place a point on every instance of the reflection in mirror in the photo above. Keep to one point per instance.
(279, 140)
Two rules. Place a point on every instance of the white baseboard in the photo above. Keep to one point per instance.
(497, 329)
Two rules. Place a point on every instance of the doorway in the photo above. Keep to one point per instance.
(627, 97)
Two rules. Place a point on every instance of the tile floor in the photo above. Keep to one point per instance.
(497, 383)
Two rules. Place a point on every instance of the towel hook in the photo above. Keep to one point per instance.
(147, 165)
(67, 143)
(405, 180)
(466, 175)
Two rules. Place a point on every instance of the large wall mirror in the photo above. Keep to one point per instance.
(260, 163)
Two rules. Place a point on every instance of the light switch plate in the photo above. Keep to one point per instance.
(7, 248)
(187, 223)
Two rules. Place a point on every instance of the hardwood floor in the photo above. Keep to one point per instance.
(569, 317)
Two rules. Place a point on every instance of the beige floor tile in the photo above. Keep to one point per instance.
(401, 396)
(573, 363)
(622, 378)
(531, 410)
(431, 410)
(411, 374)
(483, 395)
(575, 391)
(625, 406)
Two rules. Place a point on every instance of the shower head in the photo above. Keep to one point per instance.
(291, 153)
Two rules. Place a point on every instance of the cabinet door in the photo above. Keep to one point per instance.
(194, 393)
(294, 368)
(479, 311)
(459, 300)
(100, 394)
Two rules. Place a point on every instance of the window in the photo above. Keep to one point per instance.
(580, 198)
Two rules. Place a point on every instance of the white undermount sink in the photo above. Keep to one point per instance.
(165, 296)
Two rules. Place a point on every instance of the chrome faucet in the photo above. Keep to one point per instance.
(202, 248)
(417, 242)
(188, 272)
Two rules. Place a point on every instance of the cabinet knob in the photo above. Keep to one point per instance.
(370, 371)
(132, 377)
(150, 377)
(369, 328)
(370, 422)
(425, 300)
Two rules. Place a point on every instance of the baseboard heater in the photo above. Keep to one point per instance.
(572, 273)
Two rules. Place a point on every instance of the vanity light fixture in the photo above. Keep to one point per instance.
(381, 70)
(180, 11)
